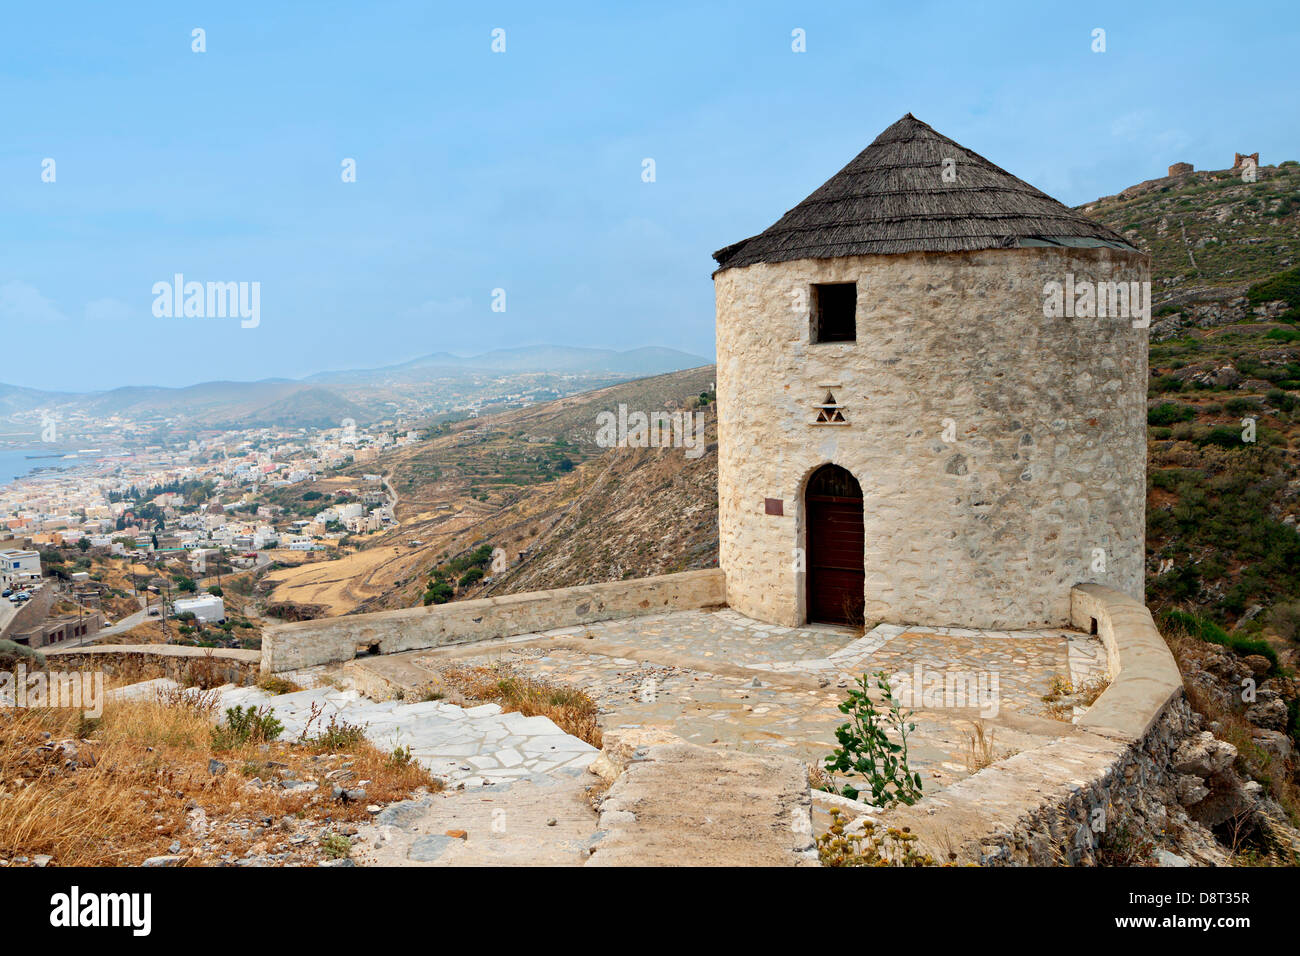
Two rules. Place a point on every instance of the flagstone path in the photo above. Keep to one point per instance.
(476, 746)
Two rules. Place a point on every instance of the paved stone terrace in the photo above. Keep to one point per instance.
(722, 680)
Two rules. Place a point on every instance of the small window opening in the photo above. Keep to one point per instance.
(834, 312)
(1093, 630)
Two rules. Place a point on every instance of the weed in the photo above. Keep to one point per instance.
(866, 751)
(336, 846)
(246, 725)
(892, 847)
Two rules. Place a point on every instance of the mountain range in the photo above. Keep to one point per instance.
(421, 385)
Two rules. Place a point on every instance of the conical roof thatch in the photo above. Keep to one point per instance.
(892, 198)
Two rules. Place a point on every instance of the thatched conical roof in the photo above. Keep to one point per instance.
(893, 198)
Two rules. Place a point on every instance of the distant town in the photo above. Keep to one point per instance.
(142, 514)
(198, 504)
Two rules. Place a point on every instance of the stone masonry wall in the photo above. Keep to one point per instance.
(1046, 461)
(329, 640)
(140, 661)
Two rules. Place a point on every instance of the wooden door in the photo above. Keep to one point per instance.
(836, 575)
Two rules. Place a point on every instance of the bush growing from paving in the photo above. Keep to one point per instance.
(866, 750)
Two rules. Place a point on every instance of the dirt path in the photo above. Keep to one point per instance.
(543, 820)
(683, 805)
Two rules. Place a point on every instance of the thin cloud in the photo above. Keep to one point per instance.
(24, 304)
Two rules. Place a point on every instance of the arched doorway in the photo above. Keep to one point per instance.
(836, 576)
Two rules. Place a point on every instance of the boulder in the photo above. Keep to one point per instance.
(1191, 789)
(1259, 664)
(1165, 858)
(1275, 743)
(1270, 714)
(1204, 755)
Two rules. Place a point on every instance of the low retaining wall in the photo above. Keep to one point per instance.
(1051, 804)
(31, 613)
(288, 647)
(179, 662)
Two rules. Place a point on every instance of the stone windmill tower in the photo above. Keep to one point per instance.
(932, 398)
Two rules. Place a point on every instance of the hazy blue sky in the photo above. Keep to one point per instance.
(522, 170)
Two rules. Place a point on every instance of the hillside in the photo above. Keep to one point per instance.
(533, 481)
(648, 360)
(1225, 347)
(1211, 237)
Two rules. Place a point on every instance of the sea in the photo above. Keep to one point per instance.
(14, 462)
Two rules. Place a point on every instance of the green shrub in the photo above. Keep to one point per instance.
(1223, 436)
(246, 725)
(438, 592)
(338, 735)
(1280, 399)
(336, 846)
(1167, 479)
(1167, 413)
(1241, 406)
(1202, 627)
(866, 751)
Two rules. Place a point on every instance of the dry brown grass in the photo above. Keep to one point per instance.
(275, 684)
(819, 779)
(1063, 696)
(115, 791)
(572, 710)
(1089, 692)
(979, 747)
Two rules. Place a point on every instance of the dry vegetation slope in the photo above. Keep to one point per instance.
(166, 777)
(1222, 512)
(534, 480)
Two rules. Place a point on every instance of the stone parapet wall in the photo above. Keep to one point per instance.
(288, 647)
(179, 662)
(1052, 804)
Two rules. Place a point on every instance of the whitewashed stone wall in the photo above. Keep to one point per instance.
(989, 529)
(330, 640)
